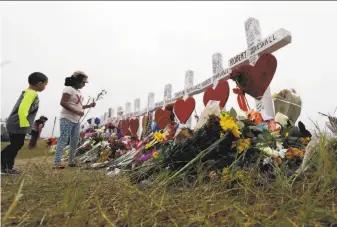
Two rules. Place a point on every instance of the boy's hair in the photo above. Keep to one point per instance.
(36, 78)
(77, 77)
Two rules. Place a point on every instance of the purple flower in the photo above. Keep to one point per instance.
(144, 157)
(97, 121)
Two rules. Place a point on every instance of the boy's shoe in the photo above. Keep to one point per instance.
(3, 173)
(13, 171)
(58, 166)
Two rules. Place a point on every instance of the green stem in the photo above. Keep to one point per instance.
(199, 156)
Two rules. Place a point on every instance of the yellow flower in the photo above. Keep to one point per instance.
(243, 176)
(185, 132)
(240, 148)
(147, 146)
(304, 140)
(155, 154)
(227, 123)
(243, 145)
(226, 176)
(287, 134)
(240, 175)
(277, 160)
(293, 153)
(159, 136)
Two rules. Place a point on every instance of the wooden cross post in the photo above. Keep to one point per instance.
(149, 108)
(92, 122)
(105, 118)
(150, 102)
(189, 77)
(127, 108)
(167, 94)
(253, 37)
(217, 69)
(136, 109)
(111, 114)
(102, 119)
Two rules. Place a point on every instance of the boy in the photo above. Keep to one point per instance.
(21, 120)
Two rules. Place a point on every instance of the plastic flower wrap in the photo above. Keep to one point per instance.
(212, 107)
(288, 103)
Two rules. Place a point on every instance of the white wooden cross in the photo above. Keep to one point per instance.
(136, 109)
(217, 69)
(92, 122)
(102, 120)
(167, 94)
(253, 37)
(136, 105)
(189, 78)
(127, 108)
(256, 47)
(105, 118)
(150, 102)
(111, 114)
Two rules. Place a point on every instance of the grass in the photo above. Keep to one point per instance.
(78, 197)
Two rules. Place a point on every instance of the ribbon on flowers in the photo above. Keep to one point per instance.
(241, 98)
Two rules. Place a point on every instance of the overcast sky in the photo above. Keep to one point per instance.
(132, 48)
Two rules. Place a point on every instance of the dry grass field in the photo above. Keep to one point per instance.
(42, 196)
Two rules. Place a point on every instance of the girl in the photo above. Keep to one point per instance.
(36, 131)
(71, 113)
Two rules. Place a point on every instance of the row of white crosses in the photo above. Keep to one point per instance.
(256, 46)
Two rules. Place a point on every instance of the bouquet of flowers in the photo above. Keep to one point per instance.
(227, 141)
(51, 141)
(288, 103)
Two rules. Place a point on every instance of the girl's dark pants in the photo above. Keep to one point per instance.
(9, 153)
(33, 139)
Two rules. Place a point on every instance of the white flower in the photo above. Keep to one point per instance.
(270, 152)
(282, 153)
(279, 146)
(267, 160)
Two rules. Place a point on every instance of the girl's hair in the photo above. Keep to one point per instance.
(77, 77)
(43, 118)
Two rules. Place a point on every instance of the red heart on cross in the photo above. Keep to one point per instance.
(125, 127)
(162, 118)
(219, 93)
(184, 108)
(134, 125)
(254, 80)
